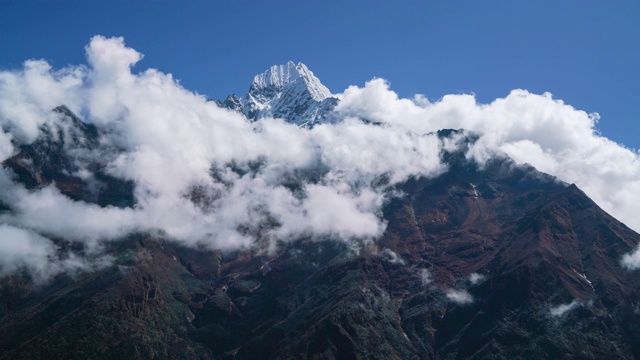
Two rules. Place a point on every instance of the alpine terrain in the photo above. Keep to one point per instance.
(287, 91)
(479, 261)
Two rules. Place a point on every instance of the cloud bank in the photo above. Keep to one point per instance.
(208, 175)
(202, 174)
(531, 129)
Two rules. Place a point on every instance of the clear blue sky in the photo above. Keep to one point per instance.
(584, 52)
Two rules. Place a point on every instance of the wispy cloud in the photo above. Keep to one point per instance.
(391, 256)
(24, 250)
(460, 297)
(563, 309)
(425, 277)
(476, 278)
(631, 261)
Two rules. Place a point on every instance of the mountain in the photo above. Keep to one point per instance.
(498, 261)
(59, 155)
(289, 92)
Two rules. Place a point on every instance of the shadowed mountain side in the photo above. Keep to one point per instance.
(59, 155)
(533, 243)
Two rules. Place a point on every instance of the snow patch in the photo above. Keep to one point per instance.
(584, 277)
(288, 91)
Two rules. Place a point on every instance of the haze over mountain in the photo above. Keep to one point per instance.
(293, 221)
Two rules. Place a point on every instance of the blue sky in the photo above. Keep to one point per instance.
(586, 53)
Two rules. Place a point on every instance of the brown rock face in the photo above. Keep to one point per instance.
(497, 262)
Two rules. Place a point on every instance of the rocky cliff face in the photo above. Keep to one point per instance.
(499, 262)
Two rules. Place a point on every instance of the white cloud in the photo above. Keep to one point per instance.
(460, 297)
(28, 96)
(22, 249)
(6, 147)
(535, 129)
(391, 256)
(562, 309)
(631, 261)
(476, 278)
(425, 277)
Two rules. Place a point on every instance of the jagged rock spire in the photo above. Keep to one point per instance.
(290, 91)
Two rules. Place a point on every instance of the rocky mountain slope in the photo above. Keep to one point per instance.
(493, 262)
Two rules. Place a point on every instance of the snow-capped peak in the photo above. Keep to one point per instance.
(277, 76)
(280, 77)
(288, 91)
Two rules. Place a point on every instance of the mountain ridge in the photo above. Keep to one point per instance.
(290, 91)
(496, 261)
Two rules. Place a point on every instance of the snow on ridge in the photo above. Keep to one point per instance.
(279, 77)
(317, 90)
(289, 91)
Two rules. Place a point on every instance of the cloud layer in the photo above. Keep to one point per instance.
(531, 129)
(207, 175)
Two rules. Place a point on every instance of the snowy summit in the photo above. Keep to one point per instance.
(288, 91)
